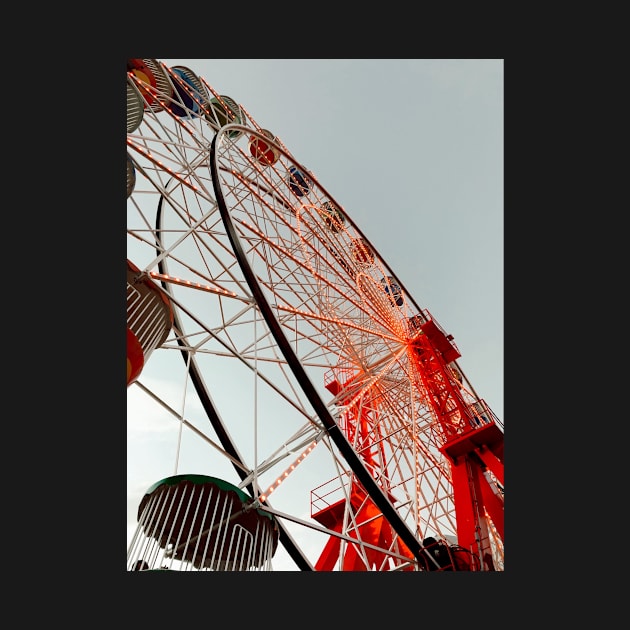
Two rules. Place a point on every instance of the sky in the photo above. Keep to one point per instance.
(413, 149)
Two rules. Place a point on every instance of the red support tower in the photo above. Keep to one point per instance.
(473, 442)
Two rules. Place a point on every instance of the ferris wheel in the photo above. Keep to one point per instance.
(312, 389)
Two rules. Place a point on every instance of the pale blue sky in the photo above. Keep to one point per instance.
(413, 150)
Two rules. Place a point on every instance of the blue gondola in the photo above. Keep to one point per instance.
(298, 182)
(392, 288)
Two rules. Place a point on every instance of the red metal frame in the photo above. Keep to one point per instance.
(472, 442)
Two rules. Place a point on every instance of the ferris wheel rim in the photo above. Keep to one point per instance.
(373, 489)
